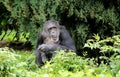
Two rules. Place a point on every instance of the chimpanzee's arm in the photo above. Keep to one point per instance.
(39, 55)
(39, 40)
(66, 41)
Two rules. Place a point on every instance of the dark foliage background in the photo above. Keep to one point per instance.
(83, 18)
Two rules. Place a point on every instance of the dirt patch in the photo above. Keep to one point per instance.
(17, 45)
(4, 44)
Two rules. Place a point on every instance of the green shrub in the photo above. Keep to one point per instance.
(108, 45)
(7, 61)
(108, 51)
(13, 64)
(71, 65)
(63, 64)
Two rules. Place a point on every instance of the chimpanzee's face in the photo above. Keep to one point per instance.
(54, 32)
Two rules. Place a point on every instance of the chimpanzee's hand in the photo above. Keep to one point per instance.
(43, 47)
(48, 47)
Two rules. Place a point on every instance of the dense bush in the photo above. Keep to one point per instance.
(81, 17)
(12, 64)
(107, 47)
(70, 65)
(106, 51)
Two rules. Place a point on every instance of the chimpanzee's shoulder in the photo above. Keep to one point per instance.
(62, 27)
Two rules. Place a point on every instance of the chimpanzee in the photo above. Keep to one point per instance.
(51, 38)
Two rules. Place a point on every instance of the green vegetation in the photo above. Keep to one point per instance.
(83, 18)
(9, 36)
(93, 24)
(22, 64)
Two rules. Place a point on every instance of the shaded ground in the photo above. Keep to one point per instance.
(17, 45)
